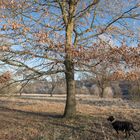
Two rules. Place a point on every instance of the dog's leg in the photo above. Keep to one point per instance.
(126, 132)
(117, 131)
(117, 134)
(129, 134)
(133, 136)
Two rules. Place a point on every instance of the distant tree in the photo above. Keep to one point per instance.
(55, 81)
(4, 82)
(5, 77)
(134, 90)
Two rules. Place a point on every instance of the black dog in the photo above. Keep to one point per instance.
(124, 126)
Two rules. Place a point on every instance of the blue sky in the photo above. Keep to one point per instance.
(134, 24)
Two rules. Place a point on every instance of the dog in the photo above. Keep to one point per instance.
(124, 126)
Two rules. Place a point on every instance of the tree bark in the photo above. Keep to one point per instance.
(102, 93)
(70, 108)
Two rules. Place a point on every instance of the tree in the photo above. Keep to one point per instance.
(58, 36)
(55, 82)
(101, 76)
(4, 82)
(5, 77)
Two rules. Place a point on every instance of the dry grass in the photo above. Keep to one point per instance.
(24, 119)
(58, 107)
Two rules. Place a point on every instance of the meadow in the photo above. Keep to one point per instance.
(40, 118)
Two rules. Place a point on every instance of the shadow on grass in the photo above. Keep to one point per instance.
(42, 114)
(48, 115)
(19, 103)
(73, 127)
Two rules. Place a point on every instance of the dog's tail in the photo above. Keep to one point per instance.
(136, 130)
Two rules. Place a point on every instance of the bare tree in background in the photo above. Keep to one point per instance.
(58, 36)
(56, 82)
(4, 80)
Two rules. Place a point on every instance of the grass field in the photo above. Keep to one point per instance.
(40, 118)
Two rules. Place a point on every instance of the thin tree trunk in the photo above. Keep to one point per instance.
(102, 93)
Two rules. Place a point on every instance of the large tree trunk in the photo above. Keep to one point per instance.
(70, 108)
